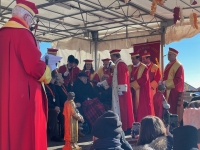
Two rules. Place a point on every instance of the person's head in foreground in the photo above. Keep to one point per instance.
(26, 11)
(108, 133)
(172, 54)
(151, 128)
(83, 77)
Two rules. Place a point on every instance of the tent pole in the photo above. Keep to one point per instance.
(95, 37)
(95, 52)
(162, 53)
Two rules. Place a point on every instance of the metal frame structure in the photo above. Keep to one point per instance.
(61, 19)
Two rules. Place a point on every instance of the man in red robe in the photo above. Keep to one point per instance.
(69, 72)
(173, 79)
(107, 69)
(154, 72)
(121, 90)
(23, 103)
(140, 83)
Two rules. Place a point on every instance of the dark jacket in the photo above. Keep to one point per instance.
(108, 130)
(51, 103)
(83, 91)
(62, 95)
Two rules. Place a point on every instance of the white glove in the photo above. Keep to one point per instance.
(99, 84)
(120, 93)
(66, 73)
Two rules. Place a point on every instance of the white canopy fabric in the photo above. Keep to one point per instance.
(63, 19)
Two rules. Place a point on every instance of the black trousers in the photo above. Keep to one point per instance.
(53, 118)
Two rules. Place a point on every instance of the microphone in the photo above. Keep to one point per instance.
(47, 59)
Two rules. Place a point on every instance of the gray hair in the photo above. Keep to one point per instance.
(19, 11)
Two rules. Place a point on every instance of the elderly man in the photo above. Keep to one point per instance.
(121, 93)
(23, 103)
(173, 79)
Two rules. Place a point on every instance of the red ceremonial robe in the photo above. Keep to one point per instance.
(92, 76)
(141, 93)
(158, 104)
(72, 76)
(174, 81)
(154, 77)
(103, 71)
(121, 104)
(23, 103)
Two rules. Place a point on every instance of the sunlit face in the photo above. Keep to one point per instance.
(171, 57)
(83, 79)
(88, 66)
(135, 61)
(106, 63)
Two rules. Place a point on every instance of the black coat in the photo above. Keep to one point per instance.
(62, 95)
(83, 91)
(51, 103)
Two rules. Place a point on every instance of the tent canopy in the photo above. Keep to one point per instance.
(113, 19)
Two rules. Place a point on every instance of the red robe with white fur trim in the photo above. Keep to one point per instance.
(121, 104)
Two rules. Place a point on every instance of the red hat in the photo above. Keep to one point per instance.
(134, 54)
(29, 6)
(106, 59)
(171, 50)
(115, 51)
(88, 61)
(145, 54)
(52, 51)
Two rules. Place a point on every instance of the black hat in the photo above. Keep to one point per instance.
(185, 138)
(82, 74)
(107, 125)
(71, 59)
(76, 61)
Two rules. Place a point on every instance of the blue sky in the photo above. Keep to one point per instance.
(189, 56)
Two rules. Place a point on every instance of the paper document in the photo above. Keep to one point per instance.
(52, 59)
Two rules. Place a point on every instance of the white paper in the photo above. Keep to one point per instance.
(52, 59)
(52, 67)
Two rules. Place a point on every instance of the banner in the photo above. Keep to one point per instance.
(152, 47)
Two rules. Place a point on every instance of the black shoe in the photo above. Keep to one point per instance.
(56, 139)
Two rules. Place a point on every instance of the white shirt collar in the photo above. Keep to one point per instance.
(137, 64)
(149, 64)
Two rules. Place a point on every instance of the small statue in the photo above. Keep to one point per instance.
(72, 116)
